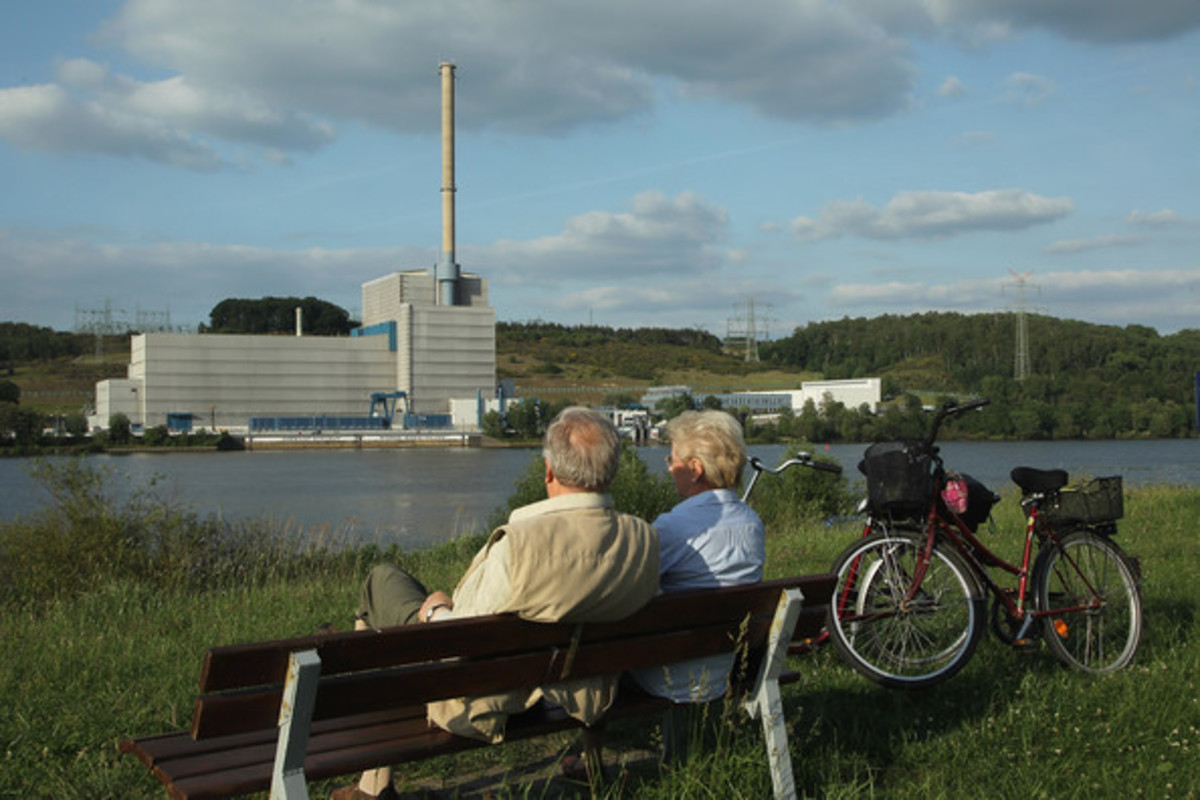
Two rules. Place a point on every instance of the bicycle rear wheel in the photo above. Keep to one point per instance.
(897, 636)
(1094, 587)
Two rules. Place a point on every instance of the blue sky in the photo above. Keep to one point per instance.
(627, 163)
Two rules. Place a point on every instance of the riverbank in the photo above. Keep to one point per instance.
(360, 441)
(122, 656)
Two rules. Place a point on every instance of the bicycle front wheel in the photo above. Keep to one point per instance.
(900, 635)
(1089, 588)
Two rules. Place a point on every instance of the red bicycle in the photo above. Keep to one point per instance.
(912, 591)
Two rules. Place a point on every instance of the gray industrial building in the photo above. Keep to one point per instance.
(428, 339)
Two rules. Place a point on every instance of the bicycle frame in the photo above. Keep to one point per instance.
(949, 528)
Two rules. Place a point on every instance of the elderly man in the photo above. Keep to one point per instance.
(568, 558)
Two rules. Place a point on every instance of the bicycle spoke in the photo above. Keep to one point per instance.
(898, 634)
(1090, 590)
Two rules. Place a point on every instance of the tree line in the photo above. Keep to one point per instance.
(1084, 381)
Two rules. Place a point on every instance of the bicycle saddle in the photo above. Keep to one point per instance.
(1039, 480)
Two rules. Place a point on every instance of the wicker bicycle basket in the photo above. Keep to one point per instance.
(899, 481)
(1098, 500)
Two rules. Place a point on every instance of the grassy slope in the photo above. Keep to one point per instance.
(68, 384)
(124, 660)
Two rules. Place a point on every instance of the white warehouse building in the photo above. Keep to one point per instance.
(433, 353)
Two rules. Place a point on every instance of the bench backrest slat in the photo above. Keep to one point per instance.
(241, 666)
(407, 666)
(415, 684)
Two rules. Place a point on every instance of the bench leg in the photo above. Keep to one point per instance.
(766, 702)
(593, 752)
(295, 719)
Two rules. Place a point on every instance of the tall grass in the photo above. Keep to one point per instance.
(89, 660)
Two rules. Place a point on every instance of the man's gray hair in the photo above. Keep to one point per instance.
(583, 449)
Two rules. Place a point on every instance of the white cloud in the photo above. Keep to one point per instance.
(1028, 89)
(50, 275)
(929, 214)
(1097, 243)
(92, 110)
(1104, 21)
(952, 87)
(1157, 219)
(279, 74)
(973, 139)
(658, 236)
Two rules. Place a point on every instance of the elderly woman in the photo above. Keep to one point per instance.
(711, 538)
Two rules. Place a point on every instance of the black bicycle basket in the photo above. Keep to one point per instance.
(1098, 500)
(899, 478)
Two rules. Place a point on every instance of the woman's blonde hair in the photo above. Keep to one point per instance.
(716, 439)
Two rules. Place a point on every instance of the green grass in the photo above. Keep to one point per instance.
(119, 656)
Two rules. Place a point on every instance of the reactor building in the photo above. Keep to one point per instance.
(427, 345)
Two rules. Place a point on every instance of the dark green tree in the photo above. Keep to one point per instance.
(278, 315)
(76, 424)
(120, 429)
(493, 425)
(9, 392)
(23, 425)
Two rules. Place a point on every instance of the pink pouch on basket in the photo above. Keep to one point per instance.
(954, 495)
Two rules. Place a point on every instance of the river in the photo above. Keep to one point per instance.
(422, 496)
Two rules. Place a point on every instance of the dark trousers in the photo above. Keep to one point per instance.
(390, 597)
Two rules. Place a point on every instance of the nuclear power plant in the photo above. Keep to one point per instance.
(425, 357)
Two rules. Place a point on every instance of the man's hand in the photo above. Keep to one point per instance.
(434, 603)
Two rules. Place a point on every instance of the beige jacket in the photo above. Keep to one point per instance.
(571, 558)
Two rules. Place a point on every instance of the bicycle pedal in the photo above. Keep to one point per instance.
(1024, 645)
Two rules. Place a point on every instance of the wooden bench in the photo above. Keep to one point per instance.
(277, 714)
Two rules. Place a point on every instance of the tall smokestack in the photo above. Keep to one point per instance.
(447, 268)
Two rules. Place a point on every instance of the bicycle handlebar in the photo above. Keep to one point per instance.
(949, 409)
(802, 459)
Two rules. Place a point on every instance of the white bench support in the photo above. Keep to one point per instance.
(295, 722)
(765, 700)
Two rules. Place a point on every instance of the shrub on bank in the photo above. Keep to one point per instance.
(97, 531)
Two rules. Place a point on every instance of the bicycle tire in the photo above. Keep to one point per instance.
(897, 643)
(1096, 640)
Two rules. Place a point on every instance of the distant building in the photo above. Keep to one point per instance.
(850, 393)
(408, 343)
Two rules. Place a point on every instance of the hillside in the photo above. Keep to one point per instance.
(592, 363)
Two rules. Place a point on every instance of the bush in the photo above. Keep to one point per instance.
(156, 436)
(800, 494)
(120, 429)
(95, 533)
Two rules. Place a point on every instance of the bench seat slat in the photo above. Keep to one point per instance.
(350, 750)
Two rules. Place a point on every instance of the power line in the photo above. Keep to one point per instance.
(1021, 366)
(746, 328)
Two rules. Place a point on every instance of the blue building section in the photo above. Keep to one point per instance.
(427, 422)
(319, 423)
(387, 329)
(324, 423)
(179, 423)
